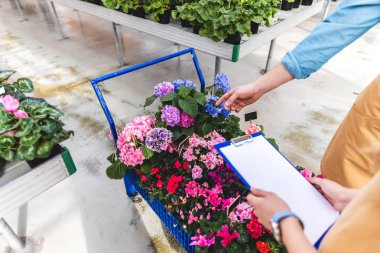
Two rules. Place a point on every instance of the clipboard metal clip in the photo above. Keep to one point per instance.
(239, 141)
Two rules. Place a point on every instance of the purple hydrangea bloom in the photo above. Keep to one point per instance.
(158, 139)
(222, 83)
(210, 106)
(178, 83)
(171, 115)
(163, 89)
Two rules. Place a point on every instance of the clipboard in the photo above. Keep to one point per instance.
(258, 164)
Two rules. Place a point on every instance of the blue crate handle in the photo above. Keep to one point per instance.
(97, 80)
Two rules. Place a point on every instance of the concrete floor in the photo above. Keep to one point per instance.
(89, 212)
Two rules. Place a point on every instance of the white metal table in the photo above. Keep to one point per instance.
(284, 20)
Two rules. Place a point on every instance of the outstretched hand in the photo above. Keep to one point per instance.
(239, 97)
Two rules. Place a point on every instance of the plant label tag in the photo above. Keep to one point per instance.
(232, 206)
(250, 116)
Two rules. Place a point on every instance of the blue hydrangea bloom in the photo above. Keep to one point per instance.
(225, 113)
(210, 106)
(222, 83)
(178, 83)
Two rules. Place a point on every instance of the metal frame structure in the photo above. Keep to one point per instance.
(95, 84)
(25, 183)
(283, 21)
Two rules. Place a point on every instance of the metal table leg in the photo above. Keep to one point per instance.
(24, 18)
(10, 236)
(270, 53)
(80, 22)
(58, 22)
(218, 63)
(326, 10)
(119, 51)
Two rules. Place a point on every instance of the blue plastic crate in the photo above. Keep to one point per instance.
(131, 178)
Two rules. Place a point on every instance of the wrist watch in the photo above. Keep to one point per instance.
(275, 223)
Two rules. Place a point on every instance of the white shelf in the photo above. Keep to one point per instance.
(184, 36)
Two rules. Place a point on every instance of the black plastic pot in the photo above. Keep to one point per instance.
(97, 2)
(196, 29)
(130, 12)
(296, 4)
(307, 2)
(233, 39)
(254, 27)
(286, 6)
(164, 18)
(279, 5)
(185, 23)
(139, 12)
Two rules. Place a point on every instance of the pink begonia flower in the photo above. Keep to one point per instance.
(201, 240)
(251, 129)
(227, 237)
(10, 103)
(307, 173)
(21, 114)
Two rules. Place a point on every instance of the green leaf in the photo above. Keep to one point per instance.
(112, 158)
(24, 85)
(188, 131)
(169, 97)
(30, 139)
(5, 74)
(273, 142)
(44, 149)
(189, 106)
(145, 168)
(26, 153)
(116, 170)
(26, 126)
(7, 141)
(184, 91)
(149, 100)
(8, 155)
(5, 116)
(48, 126)
(148, 153)
(200, 98)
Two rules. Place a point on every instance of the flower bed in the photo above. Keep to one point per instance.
(174, 155)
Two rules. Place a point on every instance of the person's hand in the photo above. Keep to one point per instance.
(339, 196)
(240, 97)
(265, 205)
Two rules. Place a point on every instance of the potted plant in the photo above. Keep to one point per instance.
(287, 5)
(113, 4)
(159, 10)
(191, 13)
(296, 4)
(307, 2)
(29, 127)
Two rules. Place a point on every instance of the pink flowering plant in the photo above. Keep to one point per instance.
(29, 127)
(174, 154)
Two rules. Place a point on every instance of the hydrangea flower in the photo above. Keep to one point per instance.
(186, 120)
(210, 106)
(138, 128)
(163, 89)
(225, 113)
(222, 83)
(158, 139)
(171, 115)
(188, 83)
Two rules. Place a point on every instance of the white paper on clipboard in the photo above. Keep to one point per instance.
(263, 167)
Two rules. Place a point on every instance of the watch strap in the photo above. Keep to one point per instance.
(277, 217)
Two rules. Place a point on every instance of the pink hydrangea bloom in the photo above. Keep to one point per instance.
(131, 156)
(186, 120)
(307, 173)
(201, 240)
(227, 237)
(196, 172)
(251, 129)
(138, 128)
(20, 114)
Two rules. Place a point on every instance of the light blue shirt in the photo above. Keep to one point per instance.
(349, 21)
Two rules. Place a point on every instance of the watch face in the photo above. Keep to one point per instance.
(276, 230)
